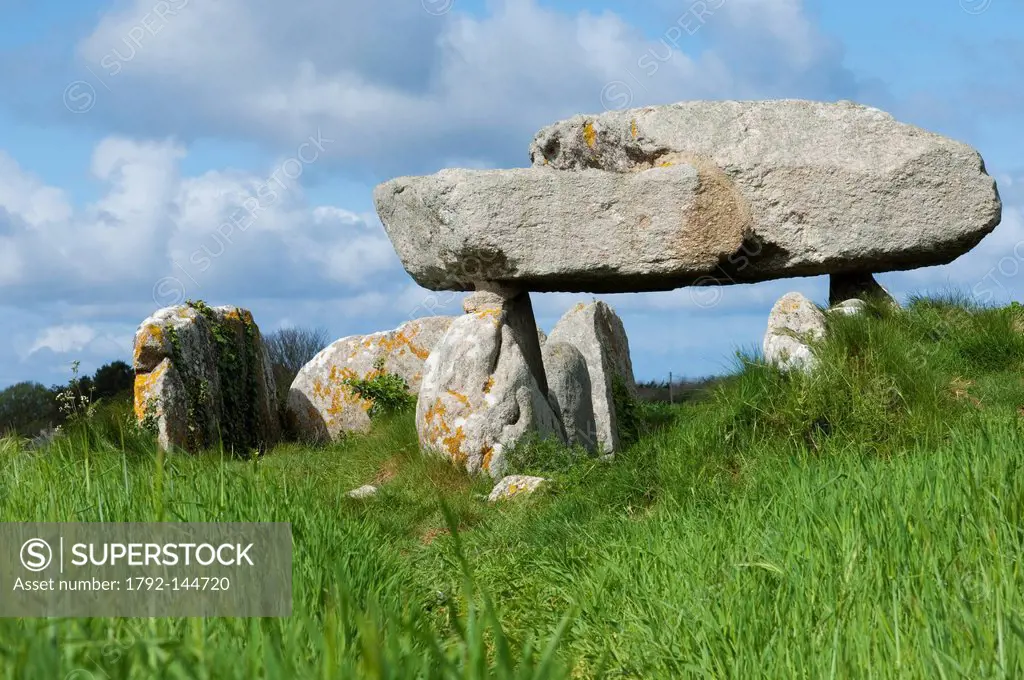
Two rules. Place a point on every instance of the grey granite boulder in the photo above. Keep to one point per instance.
(697, 192)
(596, 331)
(515, 486)
(794, 324)
(480, 394)
(322, 404)
(571, 392)
(203, 378)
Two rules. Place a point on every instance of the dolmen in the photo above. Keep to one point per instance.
(697, 193)
(658, 198)
(689, 194)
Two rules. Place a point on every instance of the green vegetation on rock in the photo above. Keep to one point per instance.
(238, 364)
(387, 393)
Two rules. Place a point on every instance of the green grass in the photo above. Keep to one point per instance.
(865, 521)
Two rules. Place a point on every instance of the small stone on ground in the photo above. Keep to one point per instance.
(364, 491)
(515, 485)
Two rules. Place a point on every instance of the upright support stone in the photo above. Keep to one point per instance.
(571, 393)
(523, 323)
(597, 332)
(480, 394)
(857, 285)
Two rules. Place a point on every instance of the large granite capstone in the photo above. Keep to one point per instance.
(697, 193)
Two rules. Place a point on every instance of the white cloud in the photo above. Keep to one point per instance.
(63, 339)
(51, 243)
(403, 89)
(212, 233)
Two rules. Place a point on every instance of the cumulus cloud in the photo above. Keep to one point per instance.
(50, 245)
(63, 339)
(156, 237)
(403, 89)
(155, 230)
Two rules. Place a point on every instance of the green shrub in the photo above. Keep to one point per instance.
(387, 392)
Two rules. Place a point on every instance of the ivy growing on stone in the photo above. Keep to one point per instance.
(237, 359)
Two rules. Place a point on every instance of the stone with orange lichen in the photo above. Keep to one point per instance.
(323, 405)
(479, 396)
(145, 389)
(180, 378)
(151, 345)
(515, 486)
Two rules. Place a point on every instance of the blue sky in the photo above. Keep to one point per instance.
(132, 130)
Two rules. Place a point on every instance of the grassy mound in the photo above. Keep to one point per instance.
(864, 521)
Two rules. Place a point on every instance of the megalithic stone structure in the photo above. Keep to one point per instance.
(697, 193)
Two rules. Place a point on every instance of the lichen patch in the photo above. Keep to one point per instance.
(145, 385)
(492, 313)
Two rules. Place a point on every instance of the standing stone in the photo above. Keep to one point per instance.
(571, 393)
(322, 405)
(597, 332)
(479, 395)
(793, 325)
(843, 287)
(520, 319)
(202, 376)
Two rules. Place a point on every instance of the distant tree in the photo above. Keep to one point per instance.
(289, 349)
(27, 408)
(113, 379)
